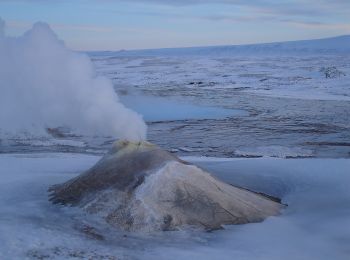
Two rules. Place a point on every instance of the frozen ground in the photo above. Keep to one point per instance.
(224, 105)
(314, 226)
(298, 103)
(286, 99)
(203, 103)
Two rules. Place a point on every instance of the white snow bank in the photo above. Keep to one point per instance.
(45, 85)
(315, 225)
(51, 142)
(198, 159)
(274, 151)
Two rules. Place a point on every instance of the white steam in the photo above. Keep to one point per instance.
(45, 85)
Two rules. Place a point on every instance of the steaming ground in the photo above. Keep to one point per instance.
(223, 106)
(232, 106)
(314, 226)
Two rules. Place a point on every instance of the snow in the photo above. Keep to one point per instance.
(277, 100)
(286, 76)
(315, 224)
(198, 159)
(51, 142)
(274, 151)
(269, 100)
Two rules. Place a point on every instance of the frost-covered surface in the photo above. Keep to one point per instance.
(296, 100)
(300, 76)
(50, 142)
(224, 103)
(274, 151)
(316, 69)
(314, 226)
(271, 100)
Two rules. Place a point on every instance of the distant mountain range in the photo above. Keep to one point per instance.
(340, 44)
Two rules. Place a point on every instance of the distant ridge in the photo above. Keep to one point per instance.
(333, 45)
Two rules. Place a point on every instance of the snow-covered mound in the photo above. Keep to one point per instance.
(138, 186)
(340, 44)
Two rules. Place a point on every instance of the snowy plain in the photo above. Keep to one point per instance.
(281, 105)
(287, 99)
(219, 108)
(315, 225)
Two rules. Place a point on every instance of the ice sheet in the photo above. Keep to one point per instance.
(314, 226)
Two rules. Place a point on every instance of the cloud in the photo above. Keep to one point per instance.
(307, 24)
(272, 4)
(272, 7)
(90, 28)
(318, 9)
(320, 25)
(300, 14)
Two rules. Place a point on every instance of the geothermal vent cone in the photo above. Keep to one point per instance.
(139, 186)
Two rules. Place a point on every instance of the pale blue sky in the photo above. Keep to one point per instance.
(138, 24)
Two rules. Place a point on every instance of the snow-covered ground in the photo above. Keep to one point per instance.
(315, 224)
(281, 99)
(238, 105)
(213, 106)
(299, 76)
(296, 100)
(312, 69)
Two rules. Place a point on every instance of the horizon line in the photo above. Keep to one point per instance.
(218, 45)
